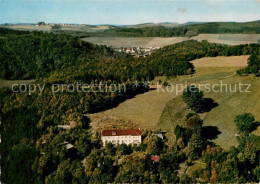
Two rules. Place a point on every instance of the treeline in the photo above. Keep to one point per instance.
(169, 61)
(253, 64)
(185, 30)
(6, 31)
(176, 57)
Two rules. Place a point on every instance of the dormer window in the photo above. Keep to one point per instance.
(113, 132)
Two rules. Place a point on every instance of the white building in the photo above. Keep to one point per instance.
(128, 136)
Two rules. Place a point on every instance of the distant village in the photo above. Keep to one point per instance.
(138, 51)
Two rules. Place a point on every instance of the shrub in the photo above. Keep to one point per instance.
(193, 97)
(245, 122)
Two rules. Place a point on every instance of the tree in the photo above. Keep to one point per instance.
(110, 149)
(193, 120)
(257, 172)
(245, 122)
(196, 143)
(193, 97)
(154, 144)
(254, 63)
(124, 149)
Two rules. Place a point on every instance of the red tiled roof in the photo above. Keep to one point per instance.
(73, 124)
(133, 132)
(155, 158)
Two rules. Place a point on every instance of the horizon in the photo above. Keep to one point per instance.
(127, 12)
(195, 22)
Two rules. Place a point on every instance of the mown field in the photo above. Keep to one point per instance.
(164, 110)
(230, 39)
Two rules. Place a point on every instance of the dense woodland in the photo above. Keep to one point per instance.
(33, 148)
(27, 55)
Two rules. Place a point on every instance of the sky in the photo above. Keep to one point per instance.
(127, 11)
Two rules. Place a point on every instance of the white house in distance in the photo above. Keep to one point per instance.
(127, 136)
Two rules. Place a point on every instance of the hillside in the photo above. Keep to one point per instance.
(34, 142)
(164, 24)
(145, 42)
(185, 30)
(164, 110)
(164, 29)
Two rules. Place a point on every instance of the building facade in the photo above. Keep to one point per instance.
(127, 136)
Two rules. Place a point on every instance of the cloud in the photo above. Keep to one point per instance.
(182, 10)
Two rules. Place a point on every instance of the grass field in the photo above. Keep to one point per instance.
(221, 61)
(164, 110)
(230, 39)
(9, 83)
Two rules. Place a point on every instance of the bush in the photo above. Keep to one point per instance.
(245, 122)
(244, 71)
(193, 120)
(193, 97)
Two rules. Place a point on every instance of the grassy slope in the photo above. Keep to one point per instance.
(168, 109)
(229, 105)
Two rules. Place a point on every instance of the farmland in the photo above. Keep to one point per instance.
(49, 27)
(221, 61)
(116, 42)
(230, 39)
(164, 110)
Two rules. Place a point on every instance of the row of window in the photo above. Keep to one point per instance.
(122, 137)
(127, 141)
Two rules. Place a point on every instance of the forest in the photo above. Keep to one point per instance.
(34, 149)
